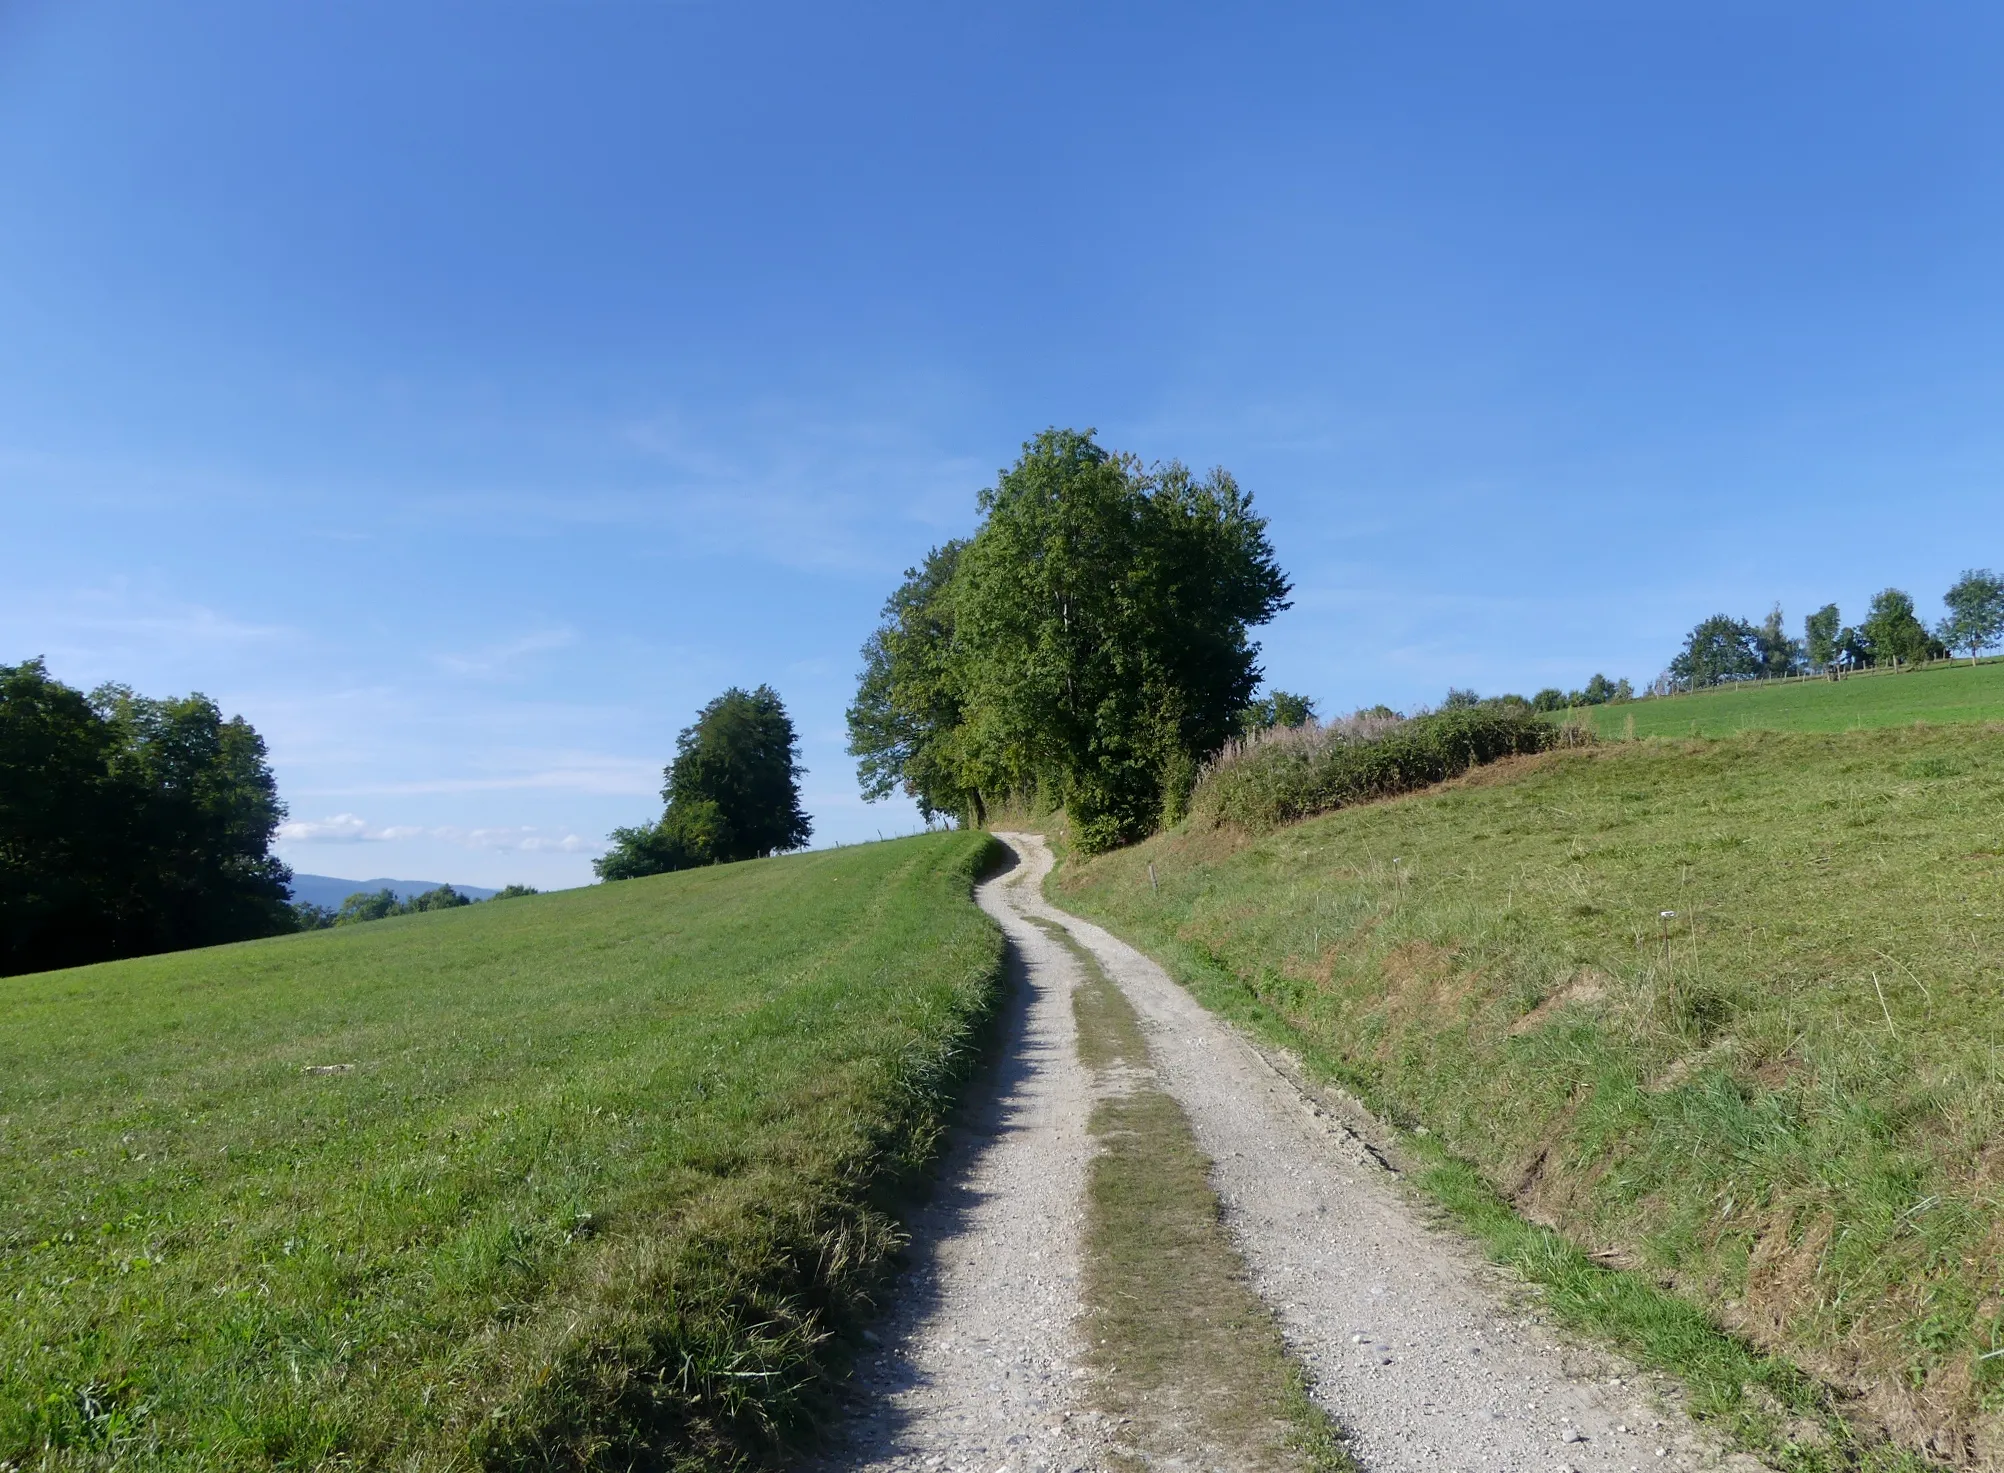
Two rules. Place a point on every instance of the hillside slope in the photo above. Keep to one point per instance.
(1784, 1099)
(515, 1184)
(1937, 694)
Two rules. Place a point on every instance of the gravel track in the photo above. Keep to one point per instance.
(1426, 1355)
(979, 1359)
(1423, 1352)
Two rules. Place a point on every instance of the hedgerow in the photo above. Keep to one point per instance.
(1276, 777)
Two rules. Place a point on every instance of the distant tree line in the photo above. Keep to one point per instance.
(380, 905)
(1599, 691)
(732, 792)
(1088, 644)
(1723, 649)
(130, 825)
(1276, 709)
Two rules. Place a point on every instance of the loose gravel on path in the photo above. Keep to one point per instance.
(1423, 1353)
(1418, 1349)
(979, 1358)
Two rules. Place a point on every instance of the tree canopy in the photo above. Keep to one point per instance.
(733, 792)
(130, 825)
(1723, 648)
(1720, 648)
(1893, 632)
(1089, 643)
(1277, 708)
(1599, 691)
(1975, 619)
(1820, 637)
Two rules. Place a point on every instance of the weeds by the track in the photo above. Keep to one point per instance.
(1282, 775)
(1723, 1013)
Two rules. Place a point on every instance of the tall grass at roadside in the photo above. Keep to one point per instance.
(1725, 1013)
(588, 1179)
(1276, 776)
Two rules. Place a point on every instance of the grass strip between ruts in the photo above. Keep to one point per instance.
(1189, 1362)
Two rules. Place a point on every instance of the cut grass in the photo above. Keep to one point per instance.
(588, 1178)
(1938, 694)
(1188, 1358)
(1781, 1105)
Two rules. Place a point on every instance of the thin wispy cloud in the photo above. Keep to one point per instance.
(350, 828)
(498, 659)
(607, 777)
(117, 615)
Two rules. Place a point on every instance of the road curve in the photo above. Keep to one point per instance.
(1422, 1351)
(1426, 1355)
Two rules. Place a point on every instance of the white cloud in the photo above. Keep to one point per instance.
(342, 828)
(349, 828)
(601, 776)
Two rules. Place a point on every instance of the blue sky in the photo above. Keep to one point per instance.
(465, 393)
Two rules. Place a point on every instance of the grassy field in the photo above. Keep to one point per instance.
(1937, 694)
(537, 1184)
(1783, 1102)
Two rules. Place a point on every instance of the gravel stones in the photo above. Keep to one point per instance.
(1418, 1348)
(977, 1365)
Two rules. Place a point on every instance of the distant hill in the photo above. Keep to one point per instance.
(330, 892)
(1946, 693)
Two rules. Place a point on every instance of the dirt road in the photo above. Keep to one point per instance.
(980, 1354)
(1424, 1355)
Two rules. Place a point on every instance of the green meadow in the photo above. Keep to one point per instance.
(536, 1184)
(1780, 1102)
(1937, 694)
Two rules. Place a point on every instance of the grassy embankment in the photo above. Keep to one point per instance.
(587, 1173)
(1936, 694)
(1783, 1105)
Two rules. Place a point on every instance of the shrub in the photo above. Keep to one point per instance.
(1275, 777)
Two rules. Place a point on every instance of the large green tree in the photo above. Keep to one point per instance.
(1820, 632)
(1091, 642)
(205, 825)
(1779, 654)
(130, 825)
(1719, 649)
(905, 723)
(1893, 632)
(1975, 619)
(733, 792)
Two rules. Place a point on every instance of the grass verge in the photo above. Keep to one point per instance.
(1187, 1356)
(1778, 1107)
(589, 1179)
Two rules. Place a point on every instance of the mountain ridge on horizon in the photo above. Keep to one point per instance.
(330, 891)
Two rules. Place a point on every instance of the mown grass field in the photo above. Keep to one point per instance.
(595, 1176)
(1785, 1102)
(1937, 694)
